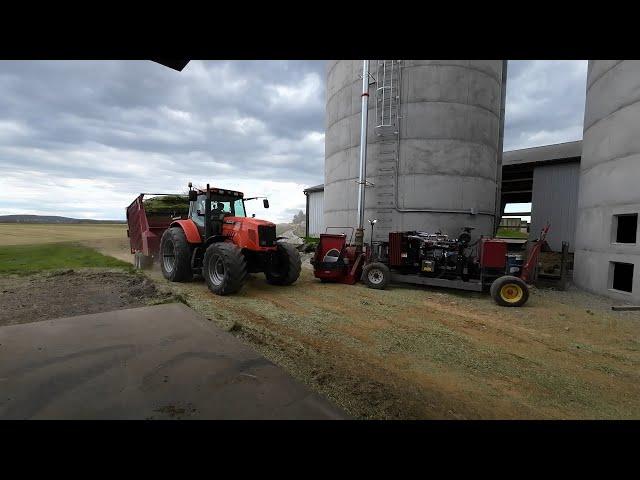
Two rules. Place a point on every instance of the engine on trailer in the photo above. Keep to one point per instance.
(433, 254)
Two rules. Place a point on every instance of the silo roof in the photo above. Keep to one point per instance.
(317, 188)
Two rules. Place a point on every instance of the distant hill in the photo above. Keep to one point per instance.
(50, 219)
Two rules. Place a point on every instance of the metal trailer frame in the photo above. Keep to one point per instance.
(414, 278)
(144, 238)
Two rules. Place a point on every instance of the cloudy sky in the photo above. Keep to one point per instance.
(82, 139)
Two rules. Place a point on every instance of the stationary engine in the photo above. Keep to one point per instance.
(432, 254)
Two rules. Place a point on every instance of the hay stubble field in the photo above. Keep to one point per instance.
(38, 233)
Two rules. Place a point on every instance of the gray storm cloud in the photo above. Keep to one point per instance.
(82, 138)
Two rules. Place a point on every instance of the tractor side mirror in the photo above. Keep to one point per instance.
(265, 202)
(193, 195)
(253, 215)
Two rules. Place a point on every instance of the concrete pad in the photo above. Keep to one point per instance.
(160, 362)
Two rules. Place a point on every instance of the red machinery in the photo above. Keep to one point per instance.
(335, 260)
(432, 259)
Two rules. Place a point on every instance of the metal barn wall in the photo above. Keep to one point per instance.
(555, 200)
(316, 213)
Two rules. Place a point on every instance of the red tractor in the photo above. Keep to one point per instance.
(212, 237)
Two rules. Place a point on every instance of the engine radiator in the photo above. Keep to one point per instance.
(397, 245)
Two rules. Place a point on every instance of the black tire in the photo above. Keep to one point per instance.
(224, 268)
(174, 245)
(376, 275)
(142, 261)
(508, 291)
(289, 266)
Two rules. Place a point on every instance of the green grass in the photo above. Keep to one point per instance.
(25, 259)
(509, 233)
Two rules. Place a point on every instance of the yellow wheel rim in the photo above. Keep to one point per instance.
(511, 293)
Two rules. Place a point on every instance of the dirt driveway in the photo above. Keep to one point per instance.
(426, 353)
(66, 293)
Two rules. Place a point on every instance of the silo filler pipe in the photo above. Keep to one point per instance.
(362, 175)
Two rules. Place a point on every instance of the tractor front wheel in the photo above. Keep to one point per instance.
(285, 269)
(224, 268)
(509, 291)
(175, 255)
(376, 275)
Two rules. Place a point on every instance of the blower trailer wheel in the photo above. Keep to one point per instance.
(376, 275)
(509, 291)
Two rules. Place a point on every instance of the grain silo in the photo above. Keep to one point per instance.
(434, 144)
(607, 254)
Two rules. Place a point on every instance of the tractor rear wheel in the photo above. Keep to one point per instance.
(508, 291)
(376, 275)
(224, 268)
(286, 269)
(175, 255)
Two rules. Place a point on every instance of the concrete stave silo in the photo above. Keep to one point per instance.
(433, 156)
(609, 180)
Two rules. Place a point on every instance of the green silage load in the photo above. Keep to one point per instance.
(167, 204)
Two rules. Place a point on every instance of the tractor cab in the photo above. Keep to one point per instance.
(219, 204)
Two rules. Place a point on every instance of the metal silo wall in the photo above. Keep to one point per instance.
(448, 155)
(609, 174)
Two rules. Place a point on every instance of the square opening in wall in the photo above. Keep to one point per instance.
(622, 276)
(626, 228)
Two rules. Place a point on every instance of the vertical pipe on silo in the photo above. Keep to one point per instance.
(362, 176)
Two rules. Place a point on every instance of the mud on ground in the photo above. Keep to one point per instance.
(423, 353)
(67, 293)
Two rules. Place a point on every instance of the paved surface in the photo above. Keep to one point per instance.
(161, 362)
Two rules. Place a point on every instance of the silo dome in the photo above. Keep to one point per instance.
(434, 144)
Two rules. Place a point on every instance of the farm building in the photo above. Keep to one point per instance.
(547, 178)
(315, 210)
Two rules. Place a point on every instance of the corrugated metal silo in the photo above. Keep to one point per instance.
(607, 256)
(434, 144)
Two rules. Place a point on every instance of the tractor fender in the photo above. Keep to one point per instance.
(190, 230)
(216, 239)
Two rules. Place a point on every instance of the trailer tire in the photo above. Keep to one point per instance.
(173, 244)
(142, 261)
(509, 291)
(376, 275)
(224, 268)
(289, 260)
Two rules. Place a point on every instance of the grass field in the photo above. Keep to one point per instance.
(510, 233)
(27, 259)
(27, 234)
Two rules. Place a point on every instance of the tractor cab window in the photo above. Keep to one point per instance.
(238, 208)
(220, 206)
(197, 212)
